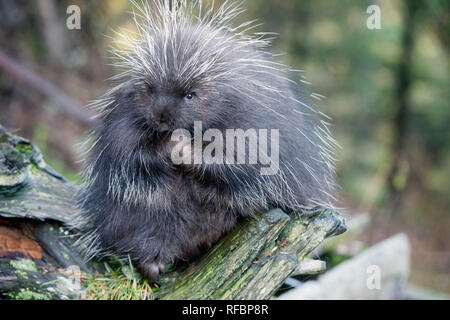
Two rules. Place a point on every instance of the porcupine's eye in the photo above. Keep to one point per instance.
(190, 95)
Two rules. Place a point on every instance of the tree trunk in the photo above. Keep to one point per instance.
(399, 174)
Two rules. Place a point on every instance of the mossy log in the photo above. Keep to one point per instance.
(256, 258)
(252, 262)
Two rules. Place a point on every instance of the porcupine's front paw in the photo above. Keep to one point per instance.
(152, 270)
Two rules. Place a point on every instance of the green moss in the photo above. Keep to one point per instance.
(25, 148)
(21, 274)
(24, 264)
(34, 168)
(27, 294)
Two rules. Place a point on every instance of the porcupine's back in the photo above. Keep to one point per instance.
(185, 44)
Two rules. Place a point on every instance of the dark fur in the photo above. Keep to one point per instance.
(173, 212)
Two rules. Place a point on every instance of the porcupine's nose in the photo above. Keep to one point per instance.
(160, 115)
(162, 126)
(161, 120)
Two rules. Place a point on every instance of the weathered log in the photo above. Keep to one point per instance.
(310, 267)
(252, 262)
(29, 188)
(255, 260)
(23, 279)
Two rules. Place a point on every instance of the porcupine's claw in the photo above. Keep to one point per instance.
(152, 271)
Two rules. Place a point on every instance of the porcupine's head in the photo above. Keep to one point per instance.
(188, 63)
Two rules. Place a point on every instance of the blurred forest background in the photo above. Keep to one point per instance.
(387, 91)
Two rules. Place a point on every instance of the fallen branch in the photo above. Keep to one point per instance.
(33, 81)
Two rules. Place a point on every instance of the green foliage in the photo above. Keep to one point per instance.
(120, 282)
(26, 294)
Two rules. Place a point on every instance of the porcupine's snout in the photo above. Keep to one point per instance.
(161, 113)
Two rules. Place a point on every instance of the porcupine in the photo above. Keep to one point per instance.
(189, 63)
